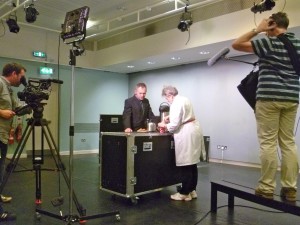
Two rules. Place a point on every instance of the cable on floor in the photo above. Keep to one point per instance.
(20, 165)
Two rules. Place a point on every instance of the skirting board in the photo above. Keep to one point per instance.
(9, 156)
(47, 152)
(235, 163)
(80, 152)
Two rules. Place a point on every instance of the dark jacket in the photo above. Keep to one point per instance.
(134, 116)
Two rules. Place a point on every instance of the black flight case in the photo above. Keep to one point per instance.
(132, 164)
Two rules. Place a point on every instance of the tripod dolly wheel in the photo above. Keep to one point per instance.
(118, 217)
(134, 200)
(38, 216)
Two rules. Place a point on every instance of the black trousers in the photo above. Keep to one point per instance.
(189, 178)
(3, 152)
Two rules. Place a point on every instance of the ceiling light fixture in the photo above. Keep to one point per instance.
(121, 8)
(12, 24)
(175, 58)
(186, 19)
(204, 53)
(263, 6)
(30, 13)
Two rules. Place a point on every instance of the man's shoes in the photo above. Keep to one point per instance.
(260, 193)
(5, 198)
(180, 197)
(288, 194)
(194, 194)
(6, 216)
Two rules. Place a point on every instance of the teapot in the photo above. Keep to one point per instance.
(151, 126)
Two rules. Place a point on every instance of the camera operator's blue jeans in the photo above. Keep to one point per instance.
(275, 126)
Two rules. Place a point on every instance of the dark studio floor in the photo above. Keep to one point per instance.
(151, 209)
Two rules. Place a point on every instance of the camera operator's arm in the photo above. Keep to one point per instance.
(243, 43)
(6, 113)
(19, 108)
(23, 110)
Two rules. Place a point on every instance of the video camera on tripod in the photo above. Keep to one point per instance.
(35, 91)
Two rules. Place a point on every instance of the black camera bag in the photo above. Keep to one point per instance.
(248, 87)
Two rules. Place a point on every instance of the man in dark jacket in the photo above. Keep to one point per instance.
(137, 110)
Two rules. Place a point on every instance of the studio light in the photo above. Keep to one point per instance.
(263, 6)
(185, 20)
(12, 24)
(74, 27)
(30, 13)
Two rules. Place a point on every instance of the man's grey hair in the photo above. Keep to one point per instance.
(169, 90)
(142, 85)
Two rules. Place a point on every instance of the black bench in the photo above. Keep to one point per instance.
(243, 193)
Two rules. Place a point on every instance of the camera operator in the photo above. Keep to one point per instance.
(11, 76)
(277, 99)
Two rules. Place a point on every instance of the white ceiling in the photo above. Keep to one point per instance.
(52, 12)
(113, 17)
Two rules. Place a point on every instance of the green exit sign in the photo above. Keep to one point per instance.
(46, 70)
(39, 54)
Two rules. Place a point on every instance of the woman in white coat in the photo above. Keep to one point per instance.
(188, 141)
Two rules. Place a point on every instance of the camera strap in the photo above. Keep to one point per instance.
(292, 52)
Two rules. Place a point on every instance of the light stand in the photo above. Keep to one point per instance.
(74, 31)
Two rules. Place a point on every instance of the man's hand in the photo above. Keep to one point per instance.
(243, 43)
(7, 114)
(142, 130)
(265, 25)
(128, 130)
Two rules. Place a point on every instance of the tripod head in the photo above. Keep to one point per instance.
(38, 110)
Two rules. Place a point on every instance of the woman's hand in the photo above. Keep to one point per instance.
(161, 124)
(167, 119)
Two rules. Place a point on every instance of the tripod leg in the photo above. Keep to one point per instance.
(38, 185)
(14, 160)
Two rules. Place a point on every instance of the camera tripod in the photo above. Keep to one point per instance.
(38, 160)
